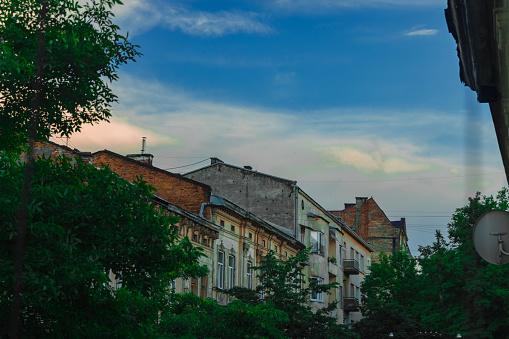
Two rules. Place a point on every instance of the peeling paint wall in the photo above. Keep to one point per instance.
(265, 196)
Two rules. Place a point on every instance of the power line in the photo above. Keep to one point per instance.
(160, 156)
(186, 165)
(407, 179)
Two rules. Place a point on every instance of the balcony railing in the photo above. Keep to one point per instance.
(350, 267)
(319, 249)
(351, 304)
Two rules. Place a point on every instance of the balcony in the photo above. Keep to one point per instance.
(351, 304)
(351, 267)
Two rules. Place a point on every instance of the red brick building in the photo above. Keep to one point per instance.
(180, 191)
(368, 220)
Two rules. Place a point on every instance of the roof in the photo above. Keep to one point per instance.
(242, 169)
(175, 175)
(223, 202)
(187, 214)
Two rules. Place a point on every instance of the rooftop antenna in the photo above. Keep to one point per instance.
(143, 144)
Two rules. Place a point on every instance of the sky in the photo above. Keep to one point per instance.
(351, 98)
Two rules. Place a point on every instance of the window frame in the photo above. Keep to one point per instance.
(319, 295)
(231, 271)
(220, 269)
(249, 276)
(319, 248)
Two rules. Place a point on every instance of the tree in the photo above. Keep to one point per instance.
(84, 222)
(455, 291)
(282, 284)
(482, 289)
(192, 317)
(389, 295)
(57, 56)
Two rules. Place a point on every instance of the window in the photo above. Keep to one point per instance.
(231, 271)
(275, 249)
(203, 289)
(118, 280)
(340, 255)
(341, 296)
(204, 241)
(250, 236)
(220, 270)
(302, 204)
(221, 223)
(194, 287)
(362, 263)
(233, 228)
(249, 276)
(194, 237)
(173, 285)
(316, 296)
(286, 254)
(316, 242)
(263, 243)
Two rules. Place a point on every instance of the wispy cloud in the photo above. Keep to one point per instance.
(375, 161)
(141, 15)
(421, 32)
(323, 5)
(370, 141)
(398, 157)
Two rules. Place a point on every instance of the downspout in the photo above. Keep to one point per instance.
(296, 191)
(203, 207)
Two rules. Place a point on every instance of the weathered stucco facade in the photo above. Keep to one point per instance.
(282, 202)
(269, 197)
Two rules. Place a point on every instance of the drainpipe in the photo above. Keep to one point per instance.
(203, 207)
(296, 191)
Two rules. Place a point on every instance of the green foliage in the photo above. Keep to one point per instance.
(78, 49)
(283, 285)
(389, 295)
(192, 317)
(84, 222)
(455, 291)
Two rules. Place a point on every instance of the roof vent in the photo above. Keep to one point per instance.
(248, 167)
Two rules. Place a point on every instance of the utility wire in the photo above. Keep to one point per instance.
(186, 165)
(407, 179)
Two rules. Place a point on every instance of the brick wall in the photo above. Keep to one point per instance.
(174, 188)
(371, 224)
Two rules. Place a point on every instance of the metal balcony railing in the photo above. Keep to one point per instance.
(351, 267)
(351, 304)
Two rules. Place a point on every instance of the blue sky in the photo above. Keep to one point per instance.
(348, 97)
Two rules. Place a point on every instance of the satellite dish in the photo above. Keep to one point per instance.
(491, 236)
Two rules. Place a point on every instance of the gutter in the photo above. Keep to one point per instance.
(296, 191)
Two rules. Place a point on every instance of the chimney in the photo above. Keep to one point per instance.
(248, 167)
(143, 144)
(215, 160)
(358, 206)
